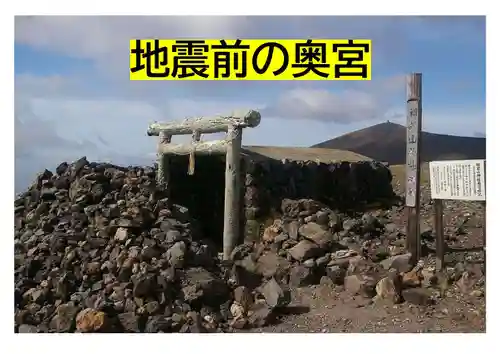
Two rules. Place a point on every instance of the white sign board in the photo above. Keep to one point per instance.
(458, 180)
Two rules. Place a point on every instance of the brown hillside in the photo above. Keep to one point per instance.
(387, 142)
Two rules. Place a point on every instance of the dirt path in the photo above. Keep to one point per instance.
(328, 311)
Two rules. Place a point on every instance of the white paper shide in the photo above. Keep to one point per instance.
(458, 180)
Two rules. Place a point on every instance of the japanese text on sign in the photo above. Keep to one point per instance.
(458, 180)
(412, 142)
(250, 59)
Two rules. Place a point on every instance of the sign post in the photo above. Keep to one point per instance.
(439, 227)
(413, 148)
(455, 180)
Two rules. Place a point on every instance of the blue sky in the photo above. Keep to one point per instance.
(73, 96)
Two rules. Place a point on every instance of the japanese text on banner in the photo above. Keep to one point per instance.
(250, 59)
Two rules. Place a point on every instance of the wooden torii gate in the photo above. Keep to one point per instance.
(232, 124)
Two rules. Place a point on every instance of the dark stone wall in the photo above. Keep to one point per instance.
(266, 182)
(339, 185)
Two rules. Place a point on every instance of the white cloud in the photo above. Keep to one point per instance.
(366, 101)
(105, 39)
(344, 107)
(28, 84)
(67, 117)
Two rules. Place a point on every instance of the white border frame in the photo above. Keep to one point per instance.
(231, 343)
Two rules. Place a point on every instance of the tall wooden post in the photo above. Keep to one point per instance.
(232, 192)
(413, 163)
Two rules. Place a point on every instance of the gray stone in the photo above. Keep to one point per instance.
(302, 276)
(276, 295)
(317, 234)
(64, 319)
(292, 228)
(24, 328)
(389, 288)
(351, 225)
(324, 260)
(129, 322)
(281, 238)
(336, 274)
(175, 254)
(173, 236)
(243, 297)
(271, 265)
(322, 218)
(400, 262)
(202, 285)
(122, 234)
(360, 285)
(159, 324)
(309, 263)
(304, 249)
(260, 315)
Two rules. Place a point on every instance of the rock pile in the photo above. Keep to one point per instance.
(310, 242)
(363, 255)
(98, 248)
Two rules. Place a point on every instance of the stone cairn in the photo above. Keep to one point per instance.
(99, 249)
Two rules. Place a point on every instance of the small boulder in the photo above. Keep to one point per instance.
(389, 288)
(122, 234)
(260, 315)
(304, 250)
(243, 297)
(275, 294)
(302, 276)
(360, 285)
(336, 274)
(317, 234)
(91, 320)
(400, 262)
(129, 322)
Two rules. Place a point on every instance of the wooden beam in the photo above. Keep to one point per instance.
(204, 147)
(232, 194)
(205, 125)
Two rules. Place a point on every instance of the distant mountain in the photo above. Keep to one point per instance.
(387, 142)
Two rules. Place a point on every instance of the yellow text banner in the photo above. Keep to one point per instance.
(250, 59)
